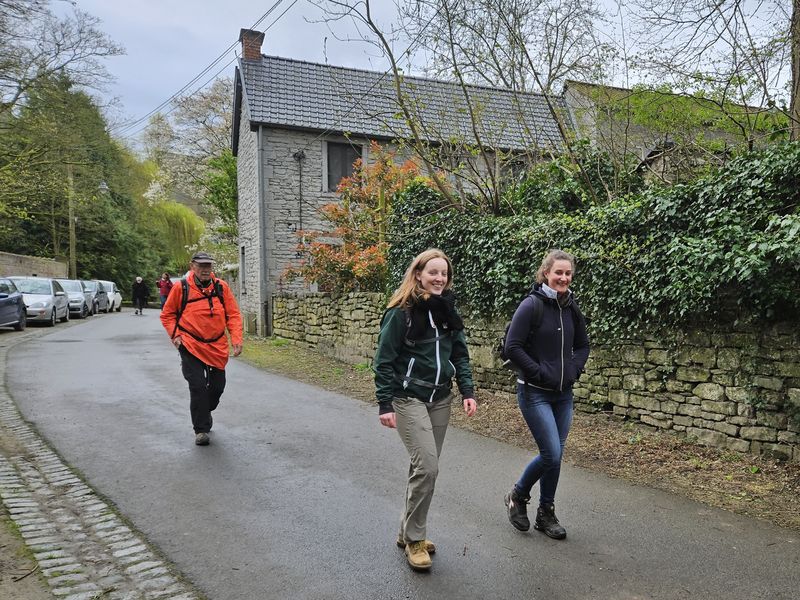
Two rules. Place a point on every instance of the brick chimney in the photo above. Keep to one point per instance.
(251, 44)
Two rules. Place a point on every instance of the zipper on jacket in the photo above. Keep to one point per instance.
(561, 321)
(408, 373)
(438, 358)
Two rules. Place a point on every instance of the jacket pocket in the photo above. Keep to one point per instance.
(550, 375)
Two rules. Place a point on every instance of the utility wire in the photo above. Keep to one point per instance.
(122, 129)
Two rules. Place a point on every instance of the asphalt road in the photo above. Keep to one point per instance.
(299, 494)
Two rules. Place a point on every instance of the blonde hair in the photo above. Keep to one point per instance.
(548, 261)
(410, 291)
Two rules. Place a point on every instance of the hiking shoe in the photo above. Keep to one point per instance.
(517, 506)
(547, 522)
(201, 439)
(418, 556)
(429, 545)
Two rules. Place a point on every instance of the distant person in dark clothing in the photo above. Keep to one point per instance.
(140, 293)
(164, 286)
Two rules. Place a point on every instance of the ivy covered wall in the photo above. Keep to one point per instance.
(737, 389)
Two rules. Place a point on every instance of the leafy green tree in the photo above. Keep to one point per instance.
(58, 149)
(220, 183)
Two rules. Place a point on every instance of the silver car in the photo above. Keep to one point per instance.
(78, 305)
(96, 295)
(114, 297)
(45, 299)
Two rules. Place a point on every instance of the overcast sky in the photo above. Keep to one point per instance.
(169, 42)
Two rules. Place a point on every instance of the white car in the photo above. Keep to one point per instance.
(114, 297)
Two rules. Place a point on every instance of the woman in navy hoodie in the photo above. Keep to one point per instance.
(548, 345)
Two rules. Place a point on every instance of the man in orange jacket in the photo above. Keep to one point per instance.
(196, 325)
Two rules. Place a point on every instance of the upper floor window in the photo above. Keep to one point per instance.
(340, 162)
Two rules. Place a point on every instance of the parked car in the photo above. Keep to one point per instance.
(12, 306)
(45, 299)
(96, 295)
(114, 297)
(78, 305)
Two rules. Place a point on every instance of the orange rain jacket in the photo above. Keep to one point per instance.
(204, 321)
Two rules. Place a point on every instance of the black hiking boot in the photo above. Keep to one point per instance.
(547, 522)
(517, 506)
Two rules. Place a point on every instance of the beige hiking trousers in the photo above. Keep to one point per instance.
(422, 427)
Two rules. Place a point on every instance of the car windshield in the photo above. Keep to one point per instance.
(91, 286)
(33, 286)
(71, 285)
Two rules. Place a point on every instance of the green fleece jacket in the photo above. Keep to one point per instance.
(421, 369)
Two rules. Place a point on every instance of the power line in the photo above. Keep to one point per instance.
(144, 125)
(127, 127)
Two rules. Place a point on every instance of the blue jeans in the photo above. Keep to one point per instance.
(549, 417)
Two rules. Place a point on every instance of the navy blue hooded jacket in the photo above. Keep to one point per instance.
(553, 355)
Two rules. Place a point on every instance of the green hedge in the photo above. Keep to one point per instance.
(725, 247)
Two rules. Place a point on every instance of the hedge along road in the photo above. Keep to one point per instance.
(299, 494)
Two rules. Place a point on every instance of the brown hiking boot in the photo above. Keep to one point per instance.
(418, 556)
(429, 545)
(201, 439)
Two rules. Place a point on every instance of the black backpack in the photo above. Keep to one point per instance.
(217, 291)
(538, 315)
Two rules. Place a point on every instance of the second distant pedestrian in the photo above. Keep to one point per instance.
(140, 292)
(164, 286)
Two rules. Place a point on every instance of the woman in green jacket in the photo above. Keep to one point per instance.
(421, 348)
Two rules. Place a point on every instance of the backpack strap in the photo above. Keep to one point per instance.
(217, 292)
(538, 312)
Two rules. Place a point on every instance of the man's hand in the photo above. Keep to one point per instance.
(177, 342)
(237, 349)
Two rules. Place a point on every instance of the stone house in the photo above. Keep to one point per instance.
(298, 127)
(669, 135)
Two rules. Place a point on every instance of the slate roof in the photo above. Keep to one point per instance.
(296, 94)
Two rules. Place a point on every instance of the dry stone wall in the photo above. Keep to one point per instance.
(738, 390)
(18, 264)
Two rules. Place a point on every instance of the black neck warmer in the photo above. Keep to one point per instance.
(444, 315)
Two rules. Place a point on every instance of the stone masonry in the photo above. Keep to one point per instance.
(291, 200)
(738, 390)
(18, 264)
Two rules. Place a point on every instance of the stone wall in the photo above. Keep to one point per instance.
(736, 390)
(17, 264)
(344, 327)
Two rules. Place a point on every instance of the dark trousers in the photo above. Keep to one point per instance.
(139, 303)
(206, 385)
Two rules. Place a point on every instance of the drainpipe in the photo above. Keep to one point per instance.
(299, 156)
(264, 287)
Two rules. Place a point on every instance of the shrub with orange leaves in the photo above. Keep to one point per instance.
(351, 256)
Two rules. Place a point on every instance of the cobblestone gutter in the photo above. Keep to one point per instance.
(83, 548)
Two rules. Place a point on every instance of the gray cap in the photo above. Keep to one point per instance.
(202, 258)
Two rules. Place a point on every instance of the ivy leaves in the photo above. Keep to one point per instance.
(724, 247)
